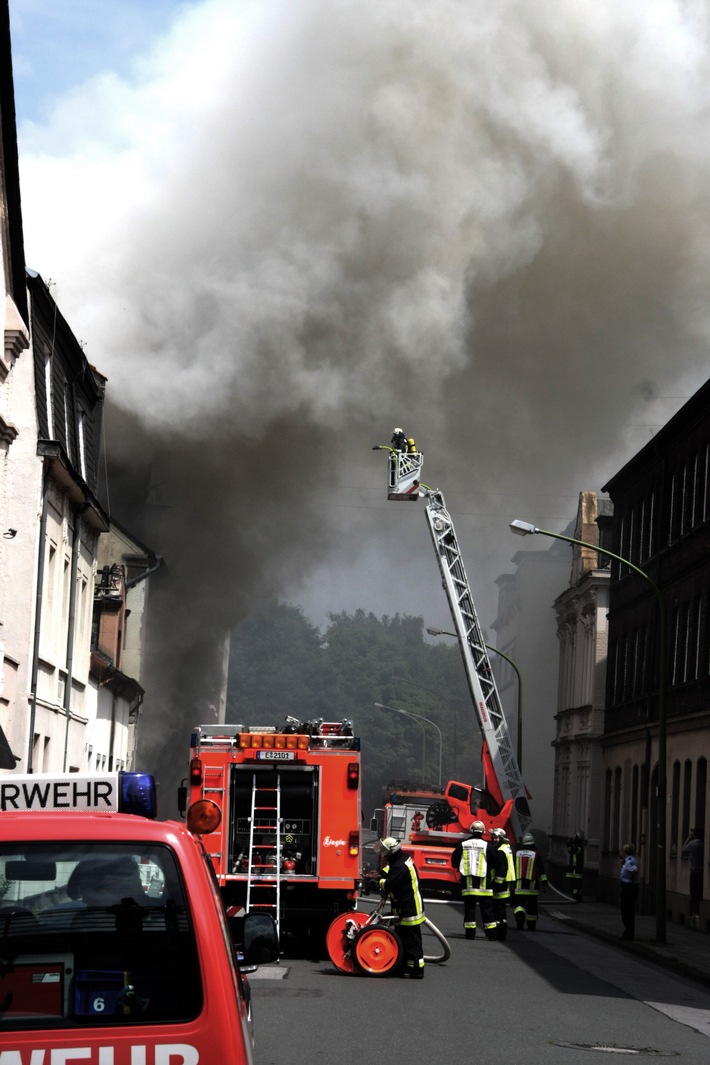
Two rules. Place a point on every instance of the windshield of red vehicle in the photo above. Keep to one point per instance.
(94, 934)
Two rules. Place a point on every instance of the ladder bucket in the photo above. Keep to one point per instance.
(404, 475)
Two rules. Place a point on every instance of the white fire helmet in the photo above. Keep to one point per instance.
(499, 833)
(528, 839)
(478, 826)
(388, 845)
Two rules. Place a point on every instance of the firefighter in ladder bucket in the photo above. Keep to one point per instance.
(399, 440)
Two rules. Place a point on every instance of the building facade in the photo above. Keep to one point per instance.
(582, 631)
(661, 501)
(529, 639)
(17, 496)
(73, 590)
(69, 408)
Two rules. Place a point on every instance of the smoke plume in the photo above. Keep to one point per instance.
(298, 224)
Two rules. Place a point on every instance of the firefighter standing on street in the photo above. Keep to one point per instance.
(575, 866)
(476, 862)
(398, 879)
(530, 879)
(504, 882)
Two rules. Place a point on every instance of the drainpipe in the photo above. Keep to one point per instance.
(73, 576)
(38, 619)
(143, 576)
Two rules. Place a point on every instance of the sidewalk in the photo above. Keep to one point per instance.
(686, 950)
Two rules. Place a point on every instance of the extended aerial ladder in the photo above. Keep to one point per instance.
(503, 777)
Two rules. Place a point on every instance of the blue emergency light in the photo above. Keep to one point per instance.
(137, 794)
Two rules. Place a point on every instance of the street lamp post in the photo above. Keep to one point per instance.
(446, 632)
(437, 695)
(525, 528)
(421, 719)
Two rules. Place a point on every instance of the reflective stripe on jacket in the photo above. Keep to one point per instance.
(507, 850)
(399, 880)
(473, 858)
(526, 872)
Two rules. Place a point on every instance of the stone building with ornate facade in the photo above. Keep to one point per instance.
(581, 613)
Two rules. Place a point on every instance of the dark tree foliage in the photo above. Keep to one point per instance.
(277, 668)
(281, 664)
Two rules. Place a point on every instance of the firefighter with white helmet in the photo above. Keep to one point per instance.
(530, 880)
(504, 882)
(399, 440)
(398, 879)
(475, 860)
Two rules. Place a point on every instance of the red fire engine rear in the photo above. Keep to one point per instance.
(284, 809)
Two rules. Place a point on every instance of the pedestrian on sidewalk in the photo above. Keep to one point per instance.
(693, 851)
(629, 877)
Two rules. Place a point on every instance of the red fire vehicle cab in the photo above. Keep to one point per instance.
(114, 944)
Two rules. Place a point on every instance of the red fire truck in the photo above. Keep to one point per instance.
(114, 943)
(284, 808)
(431, 825)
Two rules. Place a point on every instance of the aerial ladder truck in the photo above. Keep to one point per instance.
(504, 796)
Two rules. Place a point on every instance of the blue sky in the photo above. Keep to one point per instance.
(58, 45)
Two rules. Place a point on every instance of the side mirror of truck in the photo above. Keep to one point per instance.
(261, 942)
(182, 798)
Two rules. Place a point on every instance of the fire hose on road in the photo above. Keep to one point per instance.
(368, 944)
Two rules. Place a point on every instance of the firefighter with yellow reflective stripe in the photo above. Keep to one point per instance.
(398, 880)
(504, 882)
(475, 860)
(530, 880)
(575, 866)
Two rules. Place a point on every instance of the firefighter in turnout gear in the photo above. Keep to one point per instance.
(399, 441)
(476, 862)
(398, 880)
(530, 880)
(575, 866)
(504, 882)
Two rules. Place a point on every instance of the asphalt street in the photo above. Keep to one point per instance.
(550, 996)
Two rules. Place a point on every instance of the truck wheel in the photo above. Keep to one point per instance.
(377, 950)
(340, 936)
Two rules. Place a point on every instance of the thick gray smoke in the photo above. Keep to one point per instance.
(302, 223)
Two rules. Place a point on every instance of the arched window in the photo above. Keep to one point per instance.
(687, 782)
(606, 841)
(635, 803)
(701, 787)
(675, 806)
(616, 823)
